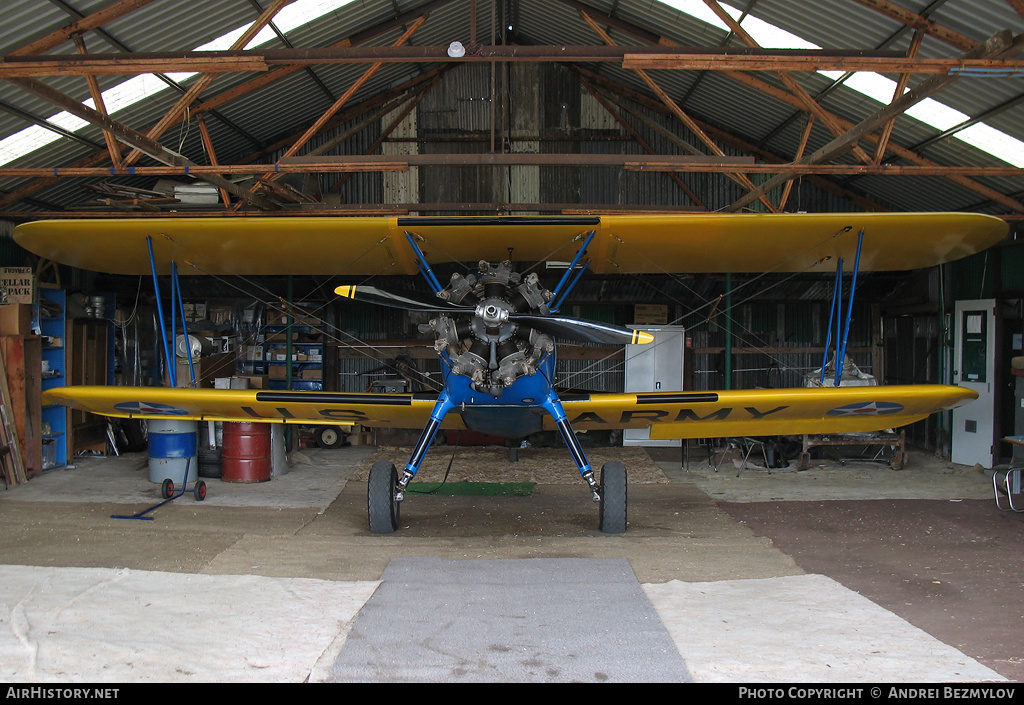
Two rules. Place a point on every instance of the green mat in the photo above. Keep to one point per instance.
(506, 489)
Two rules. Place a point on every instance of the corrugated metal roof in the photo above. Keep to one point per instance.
(288, 106)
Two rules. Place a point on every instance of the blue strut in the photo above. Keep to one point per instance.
(841, 354)
(447, 402)
(441, 408)
(553, 406)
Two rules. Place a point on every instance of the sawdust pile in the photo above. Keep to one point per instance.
(544, 466)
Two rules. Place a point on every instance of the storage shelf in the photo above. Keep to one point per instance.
(273, 348)
(55, 452)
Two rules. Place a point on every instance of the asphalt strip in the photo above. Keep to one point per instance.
(529, 620)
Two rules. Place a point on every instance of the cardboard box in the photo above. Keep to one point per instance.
(16, 319)
(207, 370)
(256, 381)
(279, 318)
(650, 314)
(277, 371)
(311, 374)
(219, 314)
(19, 283)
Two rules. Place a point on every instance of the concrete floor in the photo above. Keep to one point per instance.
(723, 558)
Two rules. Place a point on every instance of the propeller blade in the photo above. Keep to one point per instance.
(411, 302)
(583, 331)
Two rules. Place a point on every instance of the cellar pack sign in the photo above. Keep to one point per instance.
(18, 283)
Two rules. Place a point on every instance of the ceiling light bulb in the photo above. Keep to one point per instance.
(456, 50)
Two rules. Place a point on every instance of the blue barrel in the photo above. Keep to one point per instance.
(172, 450)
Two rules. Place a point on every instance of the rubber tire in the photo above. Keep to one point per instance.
(381, 507)
(614, 498)
(166, 488)
(200, 491)
(329, 436)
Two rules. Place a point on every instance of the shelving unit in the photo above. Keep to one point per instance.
(53, 329)
(89, 358)
(307, 357)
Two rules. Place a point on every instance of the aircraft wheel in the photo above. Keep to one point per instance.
(200, 491)
(166, 489)
(329, 436)
(613, 498)
(381, 505)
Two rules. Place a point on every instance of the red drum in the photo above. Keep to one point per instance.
(245, 455)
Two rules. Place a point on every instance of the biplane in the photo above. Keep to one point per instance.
(496, 330)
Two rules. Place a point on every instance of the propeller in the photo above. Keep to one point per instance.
(582, 331)
(411, 302)
(557, 326)
(505, 333)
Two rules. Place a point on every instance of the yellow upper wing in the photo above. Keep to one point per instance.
(690, 243)
(760, 412)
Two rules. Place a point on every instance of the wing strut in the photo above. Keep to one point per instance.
(176, 301)
(842, 329)
(424, 266)
(558, 295)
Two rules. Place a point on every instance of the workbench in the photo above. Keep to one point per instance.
(890, 439)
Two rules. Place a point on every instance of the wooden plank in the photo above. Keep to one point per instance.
(10, 435)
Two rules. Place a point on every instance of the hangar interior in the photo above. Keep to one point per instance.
(152, 111)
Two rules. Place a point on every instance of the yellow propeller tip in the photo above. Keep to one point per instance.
(640, 337)
(347, 291)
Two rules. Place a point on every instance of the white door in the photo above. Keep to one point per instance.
(974, 326)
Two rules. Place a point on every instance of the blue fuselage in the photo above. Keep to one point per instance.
(517, 413)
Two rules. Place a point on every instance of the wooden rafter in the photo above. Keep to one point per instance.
(706, 164)
(735, 62)
(90, 22)
(810, 105)
(916, 21)
(97, 99)
(204, 133)
(320, 122)
(1017, 5)
(758, 84)
(215, 102)
(203, 81)
(679, 114)
(637, 136)
(720, 135)
(411, 104)
(901, 85)
(126, 134)
(992, 47)
(631, 57)
(799, 153)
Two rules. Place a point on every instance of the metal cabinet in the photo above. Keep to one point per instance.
(654, 367)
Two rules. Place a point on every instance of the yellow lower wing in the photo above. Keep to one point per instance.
(766, 412)
(761, 412)
(360, 246)
(253, 405)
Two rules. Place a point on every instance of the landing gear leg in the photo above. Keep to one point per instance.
(385, 491)
(611, 493)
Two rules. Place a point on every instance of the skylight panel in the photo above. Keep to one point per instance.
(143, 86)
(21, 143)
(873, 85)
